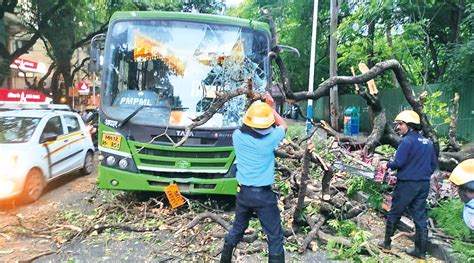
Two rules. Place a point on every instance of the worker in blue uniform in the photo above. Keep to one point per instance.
(415, 162)
(255, 143)
(463, 177)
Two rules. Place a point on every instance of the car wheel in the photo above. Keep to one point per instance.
(88, 163)
(34, 186)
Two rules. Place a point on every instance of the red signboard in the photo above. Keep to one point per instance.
(83, 87)
(29, 65)
(22, 96)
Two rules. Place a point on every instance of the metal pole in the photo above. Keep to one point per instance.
(309, 110)
(93, 88)
(93, 73)
(333, 94)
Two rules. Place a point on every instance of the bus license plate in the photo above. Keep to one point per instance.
(111, 141)
(174, 195)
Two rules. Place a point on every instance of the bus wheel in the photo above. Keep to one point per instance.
(88, 164)
(34, 186)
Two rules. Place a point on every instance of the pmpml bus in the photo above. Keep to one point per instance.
(160, 70)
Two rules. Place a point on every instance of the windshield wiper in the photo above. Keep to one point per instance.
(131, 115)
(139, 109)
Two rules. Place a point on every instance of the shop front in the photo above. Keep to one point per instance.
(26, 73)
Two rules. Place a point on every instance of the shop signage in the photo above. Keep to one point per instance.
(29, 65)
(83, 88)
(22, 96)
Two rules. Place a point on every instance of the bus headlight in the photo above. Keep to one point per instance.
(6, 187)
(123, 163)
(118, 162)
(110, 160)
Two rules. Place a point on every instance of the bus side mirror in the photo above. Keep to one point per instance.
(290, 49)
(94, 62)
(95, 54)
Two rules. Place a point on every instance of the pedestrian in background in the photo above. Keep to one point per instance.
(463, 177)
(255, 142)
(415, 162)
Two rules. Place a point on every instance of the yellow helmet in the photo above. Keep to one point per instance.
(408, 116)
(259, 115)
(463, 173)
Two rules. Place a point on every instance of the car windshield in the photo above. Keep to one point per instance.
(176, 68)
(17, 129)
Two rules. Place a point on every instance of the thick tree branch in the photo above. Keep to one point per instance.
(41, 26)
(103, 28)
(217, 103)
(453, 145)
(379, 68)
(76, 69)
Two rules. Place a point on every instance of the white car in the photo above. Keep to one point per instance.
(37, 146)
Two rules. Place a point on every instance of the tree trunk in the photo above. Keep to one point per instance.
(434, 57)
(453, 145)
(370, 46)
(4, 70)
(55, 89)
(456, 16)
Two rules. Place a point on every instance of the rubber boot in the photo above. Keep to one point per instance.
(421, 243)
(386, 244)
(226, 254)
(276, 258)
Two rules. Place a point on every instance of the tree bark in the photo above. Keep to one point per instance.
(303, 184)
(55, 89)
(453, 145)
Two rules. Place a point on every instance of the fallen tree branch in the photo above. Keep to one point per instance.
(403, 234)
(212, 216)
(217, 103)
(314, 230)
(453, 145)
(40, 255)
(303, 183)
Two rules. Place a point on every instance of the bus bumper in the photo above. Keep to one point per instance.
(116, 179)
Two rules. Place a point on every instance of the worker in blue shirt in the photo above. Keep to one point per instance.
(463, 177)
(415, 162)
(255, 143)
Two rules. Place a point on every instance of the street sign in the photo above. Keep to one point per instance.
(83, 88)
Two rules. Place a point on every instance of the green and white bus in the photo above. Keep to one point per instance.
(160, 70)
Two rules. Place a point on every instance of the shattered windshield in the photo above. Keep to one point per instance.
(175, 69)
(17, 129)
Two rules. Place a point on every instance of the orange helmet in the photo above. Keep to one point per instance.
(259, 115)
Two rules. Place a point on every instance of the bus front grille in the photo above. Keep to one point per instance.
(195, 160)
(184, 175)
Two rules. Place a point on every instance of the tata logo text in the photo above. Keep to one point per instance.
(183, 133)
(183, 164)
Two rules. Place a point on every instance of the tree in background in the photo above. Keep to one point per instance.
(293, 24)
(419, 34)
(72, 28)
(34, 26)
(432, 39)
(80, 21)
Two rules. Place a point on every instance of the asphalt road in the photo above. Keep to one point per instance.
(26, 245)
(64, 191)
